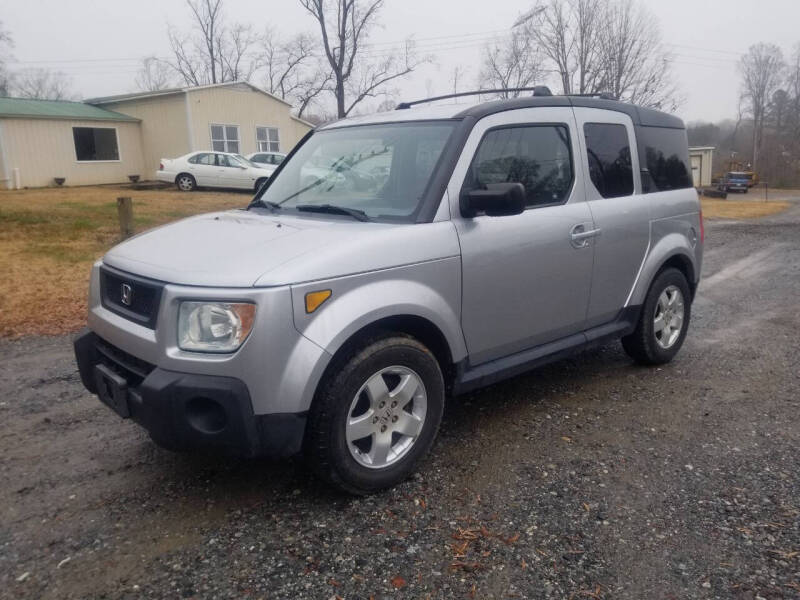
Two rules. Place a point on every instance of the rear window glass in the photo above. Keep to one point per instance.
(609, 155)
(666, 158)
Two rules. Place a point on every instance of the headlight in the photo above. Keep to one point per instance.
(214, 326)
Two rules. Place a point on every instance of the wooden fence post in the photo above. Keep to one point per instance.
(125, 214)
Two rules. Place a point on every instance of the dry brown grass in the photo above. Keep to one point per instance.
(716, 208)
(49, 239)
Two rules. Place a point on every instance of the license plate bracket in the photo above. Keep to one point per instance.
(112, 390)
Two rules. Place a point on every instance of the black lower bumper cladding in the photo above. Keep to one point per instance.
(184, 411)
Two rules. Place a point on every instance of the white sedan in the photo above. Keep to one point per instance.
(267, 160)
(212, 169)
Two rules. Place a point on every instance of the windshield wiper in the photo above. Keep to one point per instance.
(274, 206)
(333, 209)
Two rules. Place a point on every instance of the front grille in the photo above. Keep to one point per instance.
(132, 369)
(130, 296)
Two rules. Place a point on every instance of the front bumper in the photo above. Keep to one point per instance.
(184, 411)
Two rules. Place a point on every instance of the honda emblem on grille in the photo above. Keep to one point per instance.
(127, 294)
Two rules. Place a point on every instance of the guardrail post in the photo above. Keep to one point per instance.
(125, 214)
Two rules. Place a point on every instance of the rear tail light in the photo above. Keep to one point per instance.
(702, 229)
(161, 166)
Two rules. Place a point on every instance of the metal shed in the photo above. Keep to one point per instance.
(702, 160)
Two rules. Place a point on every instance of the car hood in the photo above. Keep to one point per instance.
(252, 248)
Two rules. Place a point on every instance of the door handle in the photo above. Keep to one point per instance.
(580, 236)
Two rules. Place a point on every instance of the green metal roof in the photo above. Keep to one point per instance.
(57, 109)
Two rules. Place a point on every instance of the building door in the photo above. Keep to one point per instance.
(697, 170)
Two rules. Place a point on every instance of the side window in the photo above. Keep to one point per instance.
(609, 159)
(223, 160)
(260, 158)
(537, 156)
(666, 157)
(202, 159)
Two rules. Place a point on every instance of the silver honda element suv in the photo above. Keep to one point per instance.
(393, 261)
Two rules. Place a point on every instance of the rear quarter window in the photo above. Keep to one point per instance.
(664, 153)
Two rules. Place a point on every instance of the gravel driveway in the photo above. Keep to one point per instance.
(590, 478)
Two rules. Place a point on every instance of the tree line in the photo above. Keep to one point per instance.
(765, 136)
(580, 46)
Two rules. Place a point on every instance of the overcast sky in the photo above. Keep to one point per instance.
(99, 42)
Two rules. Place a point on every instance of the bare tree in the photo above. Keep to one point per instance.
(457, 75)
(213, 51)
(345, 26)
(42, 84)
(635, 64)
(604, 46)
(568, 33)
(6, 44)
(285, 61)
(293, 70)
(587, 50)
(762, 71)
(154, 75)
(512, 63)
(550, 29)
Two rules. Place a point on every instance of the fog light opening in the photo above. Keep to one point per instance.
(206, 415)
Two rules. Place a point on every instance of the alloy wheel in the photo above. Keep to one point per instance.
(668, 317)
(386, 417)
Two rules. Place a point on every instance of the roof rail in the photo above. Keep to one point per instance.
(601, 95)
(538, 90)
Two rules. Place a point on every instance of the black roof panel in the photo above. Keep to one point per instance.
(647, 117)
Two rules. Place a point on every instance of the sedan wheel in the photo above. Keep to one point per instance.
(185, 183)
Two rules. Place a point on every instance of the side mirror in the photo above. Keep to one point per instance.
(497, 200)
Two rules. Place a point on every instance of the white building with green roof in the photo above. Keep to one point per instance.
(41, 140)
(108, 140)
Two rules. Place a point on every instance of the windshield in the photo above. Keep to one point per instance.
(381, 170)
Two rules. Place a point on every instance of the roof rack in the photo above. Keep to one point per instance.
(601, 95)
(538, 90)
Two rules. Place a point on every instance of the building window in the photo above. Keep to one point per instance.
(225, 138)
(95, 143)
(609, 159)
(267, 139)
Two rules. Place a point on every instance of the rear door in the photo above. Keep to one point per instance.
(620, 211)
(203, 167)
(526, 277)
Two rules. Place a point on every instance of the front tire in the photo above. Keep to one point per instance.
(663, 321)
(259, 184)
(376, 415)
(185, 182)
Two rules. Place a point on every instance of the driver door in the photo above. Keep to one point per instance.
(232, 173)
(526, 278)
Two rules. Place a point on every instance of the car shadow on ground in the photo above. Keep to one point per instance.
(241, 482)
